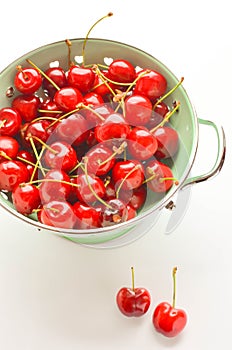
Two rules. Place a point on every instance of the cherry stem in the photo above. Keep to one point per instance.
(162, 179)
(79, 164)
(168, 93)
(82, 106)
(90, 186)
(138, 166)
(87, 35)
(166, 118)
(44, 144)
(153, 176)
(2, 123)
(133, 278)
(103, 78)
(30, 163)
(118, 150)
(63, 116)
(174, 286)
(69, 44)
(49, 180)
(47, 111)
(20, 69)
(38, 157)
(4, 155)
(43, 74)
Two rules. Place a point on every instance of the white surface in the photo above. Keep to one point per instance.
(57, 295)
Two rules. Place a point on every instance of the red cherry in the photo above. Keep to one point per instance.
(114, 127)
(135, 198)
(67, 98)
(10, 121)
(27, 106)
(12, 173)
(89, 186)
(158, 114)
(28, 159)
(159, 176)
(138, 110)
(102, 88)
(133, 302)
(152, 85)
(131, 212)
(81, 78)
(37, 130)
(167, 319)
(98, 114)
(9, 147)
(128, 174)
(58, 214)
(59, 189)
(73, 129)
(60, 155)
(27, 80)
(142, 144)
(87, 216)
(168, 142)
(121, 71)
(50, 106)
(100, 160)
(26, 198)
(58, 76)
(114, 212)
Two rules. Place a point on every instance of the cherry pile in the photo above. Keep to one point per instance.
(83, 147)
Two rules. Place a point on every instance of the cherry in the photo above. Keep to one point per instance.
(27, 80)
(159, 176)
(90, 188)
(26, 198)
(159, 112)
(87, 216)
(48, 108)
(67, 98)
(81, 78)
(73, 129)
(121, 71)
(37, 130)
(152, 85)
(142, 144)
(131, 212)
(98, 113)
(55, 185)
(114, 212)
(29, 160)
(135, 198)
(167, 319)
(58, 214)
(101, 86)
(128, 174)
(27, 106)
(8, 148)
(114, 127)
(168, 142)
(133, 302)
(60, 155)
(100, 160)
(10, 121)
(138, 110)
(12, 173)
(58, 76)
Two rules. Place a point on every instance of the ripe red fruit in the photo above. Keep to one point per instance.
(27, 106)
(114, 212)
(100, 160)
(159, 176)
(152, 85)
(60, 156)
(168, 142)
(89, 186)
(27, 80)
(142, 144)
(67, 98)
(138, 110)
(26, 198)
(12, 173)
(121, 71)
(167, 319)
(58, 214)
(133, 302)
(10, 121)
(87, 216)
(8, 147)
(81, 78)
(57, 75)
(128, 174)
(113, 127)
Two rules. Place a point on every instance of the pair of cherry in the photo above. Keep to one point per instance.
(135, 302)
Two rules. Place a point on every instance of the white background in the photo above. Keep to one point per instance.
(58, 295)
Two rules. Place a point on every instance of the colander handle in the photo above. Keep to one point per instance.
(220, 157)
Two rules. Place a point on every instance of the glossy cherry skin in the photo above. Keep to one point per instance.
(83, 191)
(81, 78)
(9, 146)
(131, 212)
(26, 198)
(157, 116)
(97, 155)
(40, 129)
(142, 144)
(135, 198)
(138, 110)
(59, 189)
(58, 76)
(133, 302)
(28, 159)
(121, 71)
(99, 114)
(121, 171)
(28, 80)
(87, 216)
(169, 321)
(49, 105)
(168, 142)
(152, 85)
(58, 214)
(114, 127)
(10, 121)
(12, 173)
(63, 156)
(115, 213)
(27, 106)
(158, 183)
(74, 129)
(67, 98)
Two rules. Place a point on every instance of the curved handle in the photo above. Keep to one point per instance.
(220, 157)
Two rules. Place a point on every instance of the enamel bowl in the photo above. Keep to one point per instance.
(186, 123)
